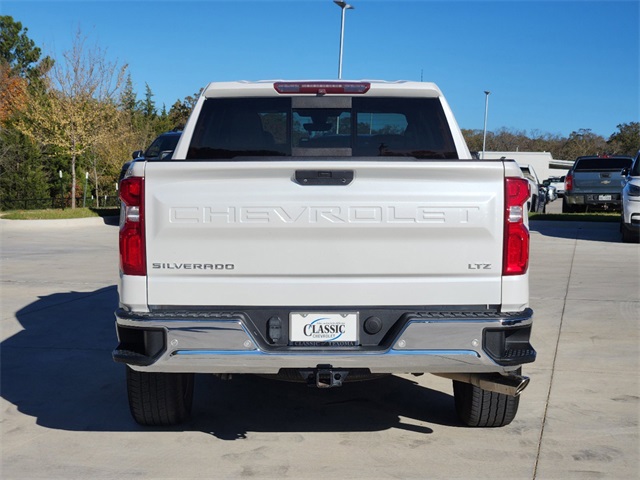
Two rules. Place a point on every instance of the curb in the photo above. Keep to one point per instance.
(62, 223)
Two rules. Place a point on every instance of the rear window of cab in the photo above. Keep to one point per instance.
(228, 128)
(599, 164)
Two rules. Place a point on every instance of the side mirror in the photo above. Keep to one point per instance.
(136, 154)
(624, 172)
(546, 183)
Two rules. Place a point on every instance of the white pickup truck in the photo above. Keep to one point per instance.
(324, 232)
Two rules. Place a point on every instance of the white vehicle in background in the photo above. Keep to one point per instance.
(324, 231)
(557, 183)
(630, 219)
(540, 194)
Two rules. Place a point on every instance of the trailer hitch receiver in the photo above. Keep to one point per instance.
(324, 377)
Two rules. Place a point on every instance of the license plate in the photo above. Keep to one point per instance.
(321, 328)
(604, 197)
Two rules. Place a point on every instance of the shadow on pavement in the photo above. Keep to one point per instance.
(589, 231)
(59, 370)
(230, 409)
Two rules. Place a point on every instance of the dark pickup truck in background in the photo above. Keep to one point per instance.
(594, 183)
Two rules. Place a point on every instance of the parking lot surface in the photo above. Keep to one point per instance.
(65, 414)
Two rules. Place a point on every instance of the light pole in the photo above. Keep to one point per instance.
(61, 189)
(343, 6)
(486, 113)
(86, 184)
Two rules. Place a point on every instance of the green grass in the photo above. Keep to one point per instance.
(608, 217)
(59, 214)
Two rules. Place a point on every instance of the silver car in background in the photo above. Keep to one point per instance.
(557, 183)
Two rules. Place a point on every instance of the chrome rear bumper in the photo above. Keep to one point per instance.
(222, 343)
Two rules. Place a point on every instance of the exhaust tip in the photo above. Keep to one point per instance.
(523, 382)
(510, 384)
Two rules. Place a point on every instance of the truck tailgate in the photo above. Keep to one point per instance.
(594, 182)
(400, 233)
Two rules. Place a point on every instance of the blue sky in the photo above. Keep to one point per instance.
(551, 66)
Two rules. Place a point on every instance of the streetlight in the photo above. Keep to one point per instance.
(86, 183)
(343, 6)
(61, 189)
(486, 112)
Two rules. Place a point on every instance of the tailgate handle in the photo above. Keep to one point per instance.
(323, 177)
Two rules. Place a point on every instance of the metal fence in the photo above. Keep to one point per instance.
(55, 202)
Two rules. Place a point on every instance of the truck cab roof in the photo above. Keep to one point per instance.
(321, 87)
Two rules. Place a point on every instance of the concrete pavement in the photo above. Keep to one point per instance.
(65, 413)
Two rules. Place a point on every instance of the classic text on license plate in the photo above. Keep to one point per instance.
(323, 327)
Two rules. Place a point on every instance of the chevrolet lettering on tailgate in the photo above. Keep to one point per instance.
(323, 214)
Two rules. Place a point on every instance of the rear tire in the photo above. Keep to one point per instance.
(159, 399)
(628, 236)
(481, 408)
(566, 207)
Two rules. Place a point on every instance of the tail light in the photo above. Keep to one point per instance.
(516, 234)
(132, 241)
(568, 182)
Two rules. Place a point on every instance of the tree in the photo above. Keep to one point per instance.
(473, 139)
(13, 93)
(21, 72)
(135, 130)
(21, 172)
(543, 142)
(79, 108)
(162, 121)
(178, 114)
(20, 52)
(128, 98)
(20, 67)
(582, 142)
(148, 106)
(626, 141)
(505, 140)
(181, 109)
